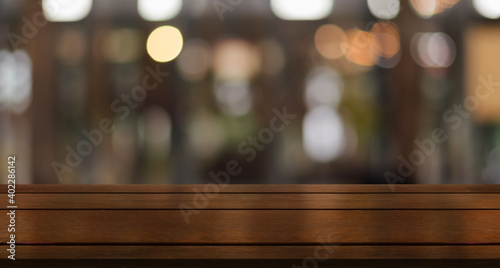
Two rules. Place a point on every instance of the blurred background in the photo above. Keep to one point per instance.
(267, 91)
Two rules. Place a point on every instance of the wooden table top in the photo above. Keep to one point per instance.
(297, 224)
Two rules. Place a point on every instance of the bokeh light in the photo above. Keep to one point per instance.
(67, 10)
(387, 36)
(236, 59)
(429, 8)
(488, 8)
(324, 86)
(358, 47)
(425, 8)
(158, 10)
(323, 134)
(15, 80)
(384, 9)
(155, 134)
(206, 134)
(328, 39)
(164, 43)
(387, 45)
(302, 10)
(234, 97)
(433, 50)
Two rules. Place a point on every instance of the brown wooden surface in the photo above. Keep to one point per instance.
(260, 201)
(249, 252)
(256, 226)
(226, 263)
(263, 222)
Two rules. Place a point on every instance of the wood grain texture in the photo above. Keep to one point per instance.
(258, 201)
(231, 263)
(256, 222)
(256, 226)
(249, 252)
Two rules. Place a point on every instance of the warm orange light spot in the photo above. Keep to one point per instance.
(387, 37)
(328, 39)
(358, 47)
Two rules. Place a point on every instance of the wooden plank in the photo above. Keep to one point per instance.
(250, 263)
(254, 188)
(256, 252)
(257, 201)
(256, 226)
(259, 222)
